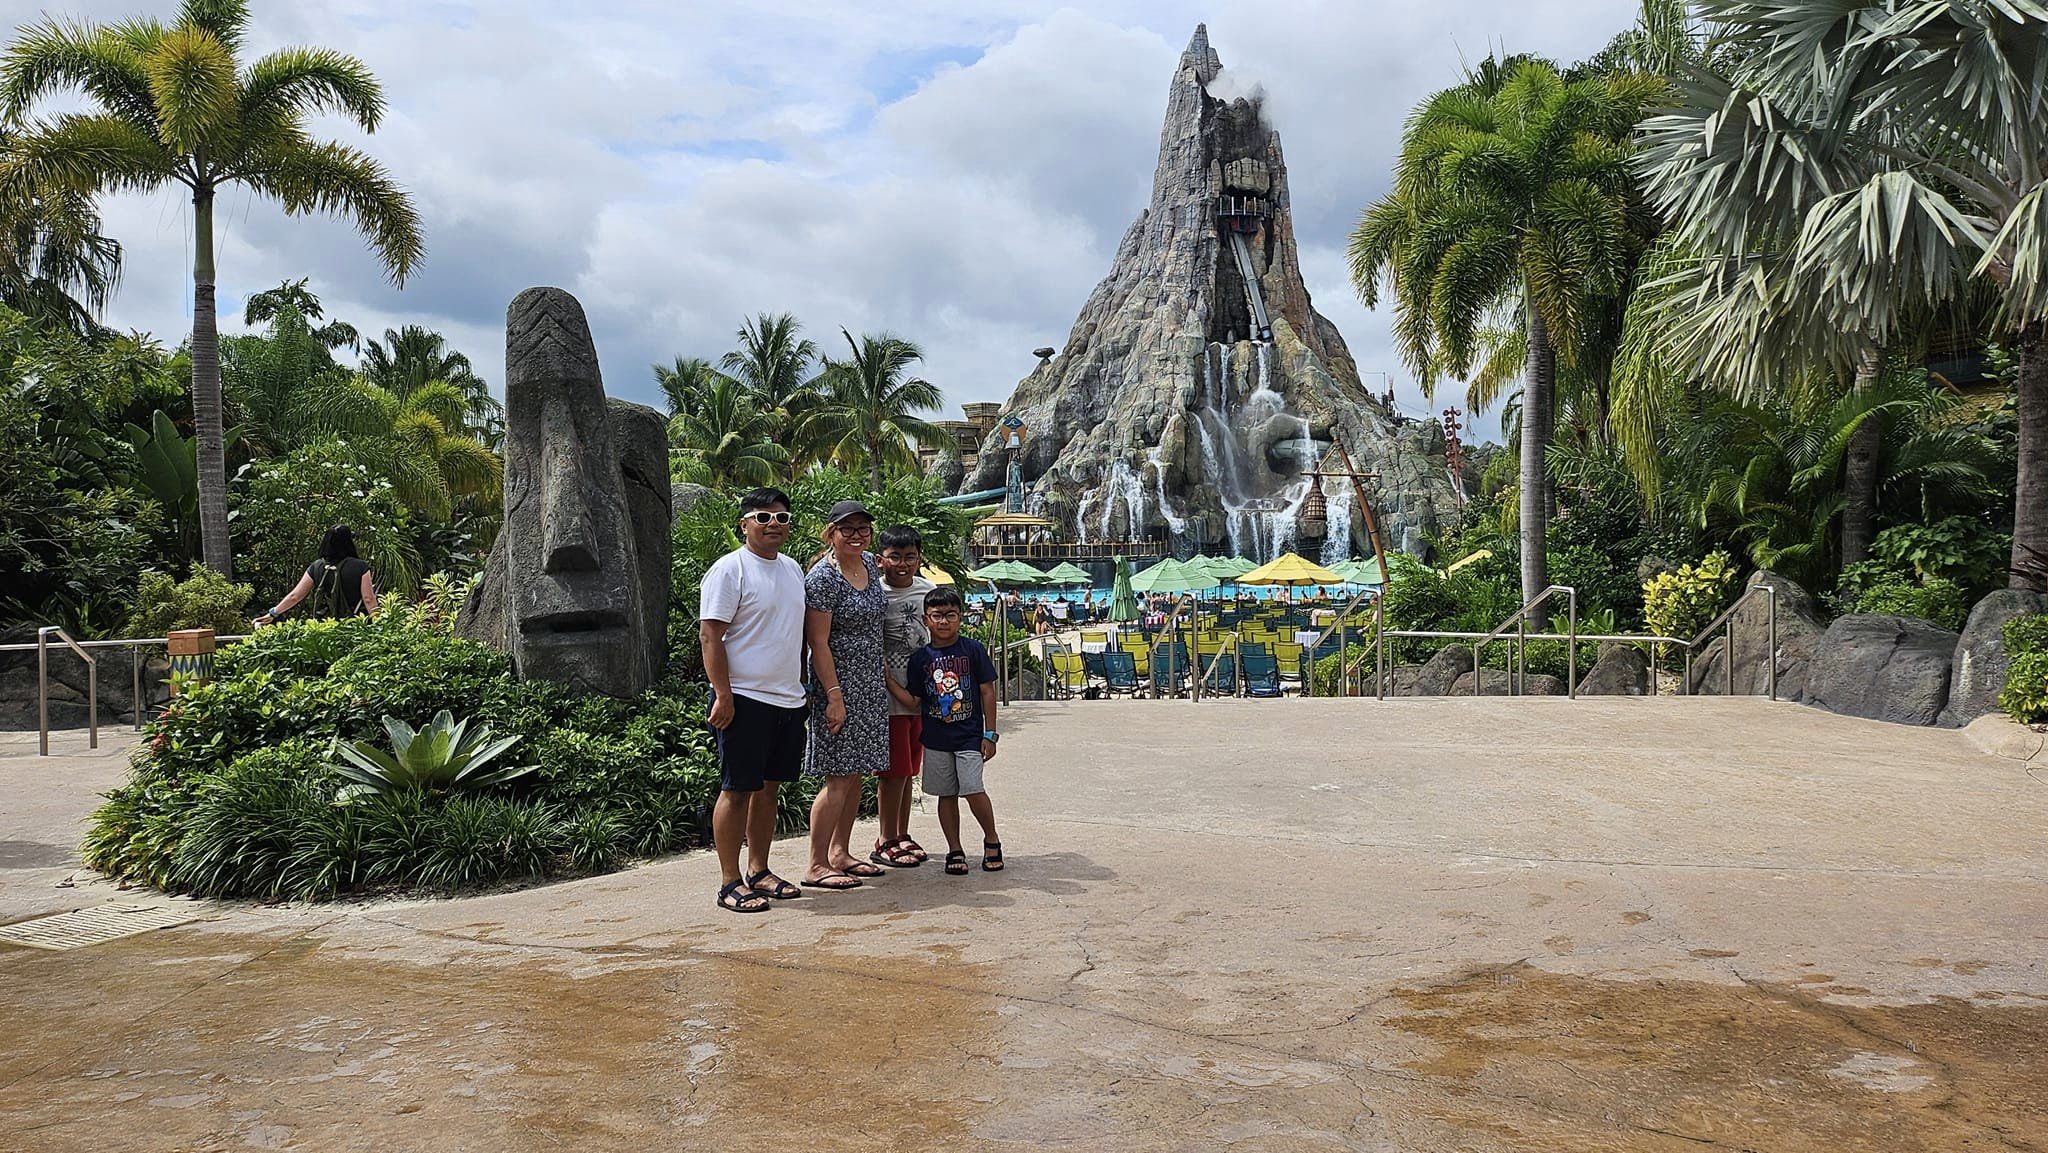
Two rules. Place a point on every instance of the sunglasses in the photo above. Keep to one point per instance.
(767, 517)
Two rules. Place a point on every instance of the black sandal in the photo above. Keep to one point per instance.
(956, 863)
(893, 855)
(862, 869)
(733, 901)
(782, 891)
(827, 882)
(991, 856)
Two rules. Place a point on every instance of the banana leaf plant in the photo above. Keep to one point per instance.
(442, 757)
(167, 466)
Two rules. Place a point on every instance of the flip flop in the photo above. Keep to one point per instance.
(782, 891)
(862, 869)
(733, 901)
(826, 882)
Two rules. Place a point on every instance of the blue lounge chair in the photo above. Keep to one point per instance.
(1169, 670)
(1261, 676)
(1219, 675)
(1121, 671)
(1092, 662)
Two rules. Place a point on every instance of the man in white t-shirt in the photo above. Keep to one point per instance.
(750, 622)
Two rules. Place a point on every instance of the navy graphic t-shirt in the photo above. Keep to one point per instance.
(948, 683)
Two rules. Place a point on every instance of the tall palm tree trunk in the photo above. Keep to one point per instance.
(1859, 469)
(1536, 425)
(2030, 487)
(214, 548)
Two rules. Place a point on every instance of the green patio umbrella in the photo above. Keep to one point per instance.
(1358, 572)
(1067, 573)
(1123, 606)
(1171, 576)
(1009, 572)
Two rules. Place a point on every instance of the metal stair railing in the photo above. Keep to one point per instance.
(92, 688)
(1518, 658)
(1308, 679)
(1728, 642)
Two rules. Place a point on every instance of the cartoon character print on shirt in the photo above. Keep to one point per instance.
(949, 699)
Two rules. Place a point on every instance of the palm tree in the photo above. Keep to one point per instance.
(685, 384)
(1512, 198)
(55, 264)
(410, 358)
(866, 411)
(1866, 166)
(775, 364)
(172, 105)
(265, 305)
(734, 439)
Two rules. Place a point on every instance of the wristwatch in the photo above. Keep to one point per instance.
(988, 735)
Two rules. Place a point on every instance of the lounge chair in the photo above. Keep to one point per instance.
(1121, 672)
(1169, 670)
(1288, 655)
(1219, 675)
(1261, 675)
(1093, 664)
(1070, 676)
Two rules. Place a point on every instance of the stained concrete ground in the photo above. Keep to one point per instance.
(1446, 925)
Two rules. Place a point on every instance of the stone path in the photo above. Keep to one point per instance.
(1413, 925)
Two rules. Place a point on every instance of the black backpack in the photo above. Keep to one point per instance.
(325, 601)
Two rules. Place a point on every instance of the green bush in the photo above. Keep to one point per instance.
(288, 501)
(233, 792)
(1875, 587)
(204, 600)
(1679, 604)
(2025, 696)
(1962, 550)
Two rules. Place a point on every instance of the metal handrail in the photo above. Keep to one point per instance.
(1728, 642)
(1308, 680)
(1518, 662)
(92, 688)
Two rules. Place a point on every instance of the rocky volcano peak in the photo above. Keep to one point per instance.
(1199, 383)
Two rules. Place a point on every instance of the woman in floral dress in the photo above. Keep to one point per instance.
(849, 736)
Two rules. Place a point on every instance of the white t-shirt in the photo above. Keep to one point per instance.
(903, 633)
(762, 604)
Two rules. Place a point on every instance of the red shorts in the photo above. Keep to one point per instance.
(906, 748)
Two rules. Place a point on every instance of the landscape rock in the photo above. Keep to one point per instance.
(1621, 671)
(1497, 683)
(689, 496)
(1437, 675)
(1799, 630)
(1884, 667)
(576, 588)
(1161, 416)
(1977, 669)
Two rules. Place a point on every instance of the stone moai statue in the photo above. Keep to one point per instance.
(576, 588)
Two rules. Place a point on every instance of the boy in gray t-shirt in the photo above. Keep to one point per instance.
(900, 553)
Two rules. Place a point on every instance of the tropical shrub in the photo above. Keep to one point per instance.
(2025, 697)
(235, 790)
(1679, 604)
(1877, 586)
(444, 756)
(204, 600)
(1475, 598)
(288, 501)
(1962, 550)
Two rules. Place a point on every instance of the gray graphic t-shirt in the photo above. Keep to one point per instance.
(903, 632)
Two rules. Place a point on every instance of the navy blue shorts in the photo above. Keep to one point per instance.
(763, 743)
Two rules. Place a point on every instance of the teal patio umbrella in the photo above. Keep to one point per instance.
(1068, 573)
(1171, 576)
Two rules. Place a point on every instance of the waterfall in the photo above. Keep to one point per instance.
(1337, 543)
(1259, 508)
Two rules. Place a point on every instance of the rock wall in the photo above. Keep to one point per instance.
(1168, 413)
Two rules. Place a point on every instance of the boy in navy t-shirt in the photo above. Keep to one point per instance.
(951, 683)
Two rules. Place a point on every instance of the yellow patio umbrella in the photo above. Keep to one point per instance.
(1290, 569)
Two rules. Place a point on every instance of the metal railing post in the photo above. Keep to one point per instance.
(42, 693)
(1571, 651)
(1771, 629)
(135, 667)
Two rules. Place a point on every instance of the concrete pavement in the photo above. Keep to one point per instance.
(1448, 924)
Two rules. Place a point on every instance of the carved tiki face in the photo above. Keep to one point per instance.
(575, 606)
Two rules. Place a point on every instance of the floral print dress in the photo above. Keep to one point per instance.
(861, 746)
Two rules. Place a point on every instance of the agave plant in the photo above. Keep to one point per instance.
(442, 757)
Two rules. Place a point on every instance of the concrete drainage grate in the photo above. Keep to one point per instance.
(82, 927)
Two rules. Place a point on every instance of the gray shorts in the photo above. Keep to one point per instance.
(952, 774)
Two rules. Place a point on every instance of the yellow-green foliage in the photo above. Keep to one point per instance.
(205, 600)
(2025, 697)
(1680, 604)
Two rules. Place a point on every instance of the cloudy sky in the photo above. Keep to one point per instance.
(956, 172)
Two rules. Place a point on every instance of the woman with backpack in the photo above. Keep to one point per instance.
(338, 581)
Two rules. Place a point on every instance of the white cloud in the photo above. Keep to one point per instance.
(958, 174)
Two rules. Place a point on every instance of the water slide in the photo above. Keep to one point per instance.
(1251, 284)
